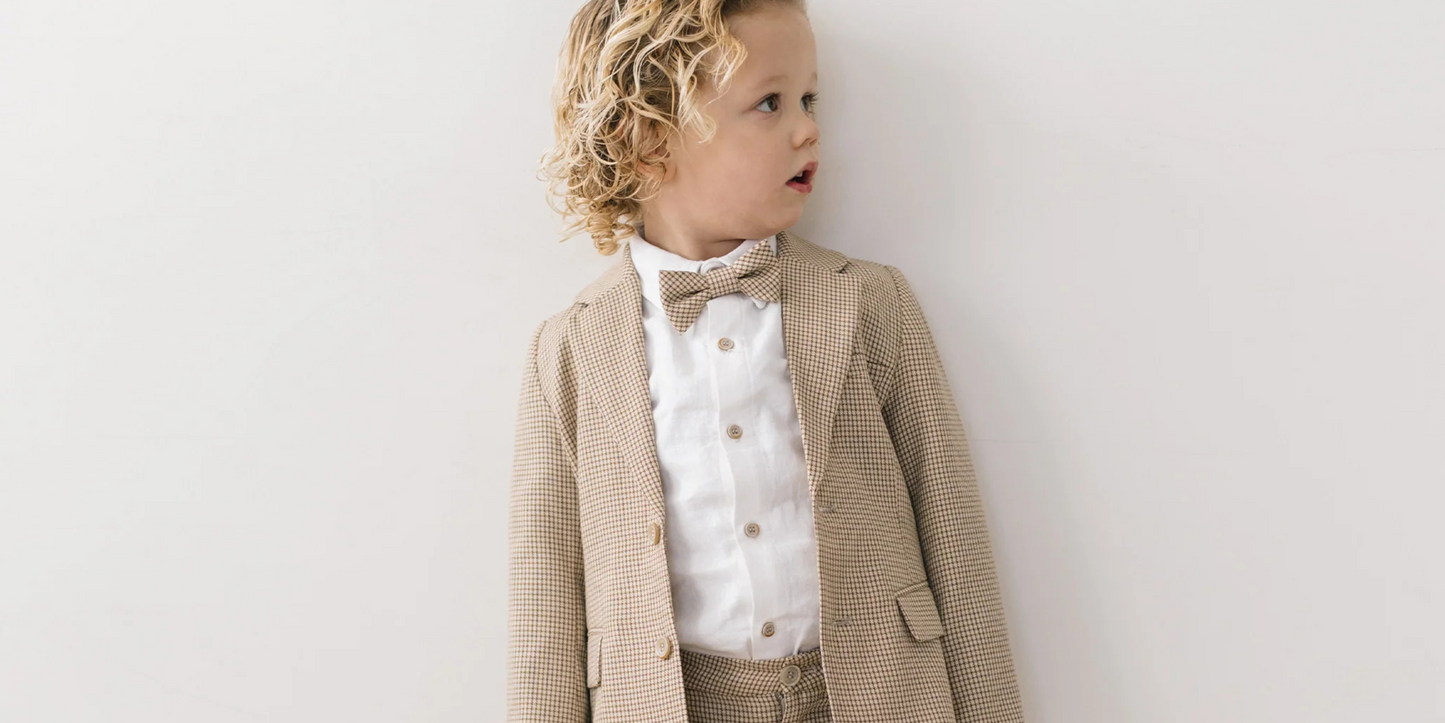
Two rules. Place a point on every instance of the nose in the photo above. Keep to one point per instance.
(807, 132)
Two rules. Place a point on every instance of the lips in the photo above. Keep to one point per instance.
(805, 175)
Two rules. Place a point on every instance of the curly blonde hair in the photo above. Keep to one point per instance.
(629, 68)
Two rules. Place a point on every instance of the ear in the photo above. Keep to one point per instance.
(658, 148)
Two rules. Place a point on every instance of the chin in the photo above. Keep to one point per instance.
(787, 220)
(782, 217)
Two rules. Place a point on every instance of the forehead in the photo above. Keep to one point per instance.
(780, 46)
(778, 77)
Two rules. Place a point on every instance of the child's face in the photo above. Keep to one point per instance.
(736, 186)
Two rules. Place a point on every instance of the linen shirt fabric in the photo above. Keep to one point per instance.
(912, 616)
(733, 593)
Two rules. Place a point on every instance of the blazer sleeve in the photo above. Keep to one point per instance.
(928, 436)
(546, 648)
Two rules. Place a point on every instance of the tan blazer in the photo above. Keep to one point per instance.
(912, 623)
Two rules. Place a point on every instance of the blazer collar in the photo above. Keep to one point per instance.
(819, 316)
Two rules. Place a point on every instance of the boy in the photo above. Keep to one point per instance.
(741, 491)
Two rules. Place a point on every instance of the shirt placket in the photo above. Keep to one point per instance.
(739, 425)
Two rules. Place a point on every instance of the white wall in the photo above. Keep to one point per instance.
(267, 271)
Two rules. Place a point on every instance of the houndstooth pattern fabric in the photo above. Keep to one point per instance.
(685, 293)
(912, 618)
(721, 689)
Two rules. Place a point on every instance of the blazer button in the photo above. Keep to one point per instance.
(656, 533)
(752, 529)
(725, 344)
(768, 629)
(664, 647)
(735, 431)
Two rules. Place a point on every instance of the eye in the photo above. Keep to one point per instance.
(811, 98)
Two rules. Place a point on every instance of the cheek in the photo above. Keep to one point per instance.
(728, 179)
(743, 163)
(735, 172)
(753, 176)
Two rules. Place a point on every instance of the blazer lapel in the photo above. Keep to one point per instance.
(819, 314)
(614, 367)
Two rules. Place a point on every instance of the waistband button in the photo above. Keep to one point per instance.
(791, 675)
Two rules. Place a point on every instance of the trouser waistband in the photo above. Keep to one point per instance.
(798, 673)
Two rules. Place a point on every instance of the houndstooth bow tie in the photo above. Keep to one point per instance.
(685, 293)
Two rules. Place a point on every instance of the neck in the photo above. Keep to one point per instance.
(691, 246)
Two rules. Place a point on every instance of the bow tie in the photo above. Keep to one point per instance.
(685, 293)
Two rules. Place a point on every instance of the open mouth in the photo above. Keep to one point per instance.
(805, 176)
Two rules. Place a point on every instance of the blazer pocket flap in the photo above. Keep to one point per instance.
(920, 611)
(594, 659)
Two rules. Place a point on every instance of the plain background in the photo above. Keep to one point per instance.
(269, 270)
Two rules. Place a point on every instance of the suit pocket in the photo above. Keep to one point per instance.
(594, 659)
(920, 611)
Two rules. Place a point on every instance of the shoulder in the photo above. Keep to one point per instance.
(883, 295)
(549, 357)
(550, 334)
(876, 280)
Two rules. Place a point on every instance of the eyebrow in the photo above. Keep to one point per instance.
(781, 76)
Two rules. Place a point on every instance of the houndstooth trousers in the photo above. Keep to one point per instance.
(720, 689)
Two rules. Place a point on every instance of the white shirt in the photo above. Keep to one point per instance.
(729, 588)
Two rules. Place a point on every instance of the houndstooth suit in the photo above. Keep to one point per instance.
(912, 621)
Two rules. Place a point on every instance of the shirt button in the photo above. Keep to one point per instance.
(656, 531)
(752, 529)
(735, 431)
(725, 344)
(791, 675)
(664, 647)
(768, 629)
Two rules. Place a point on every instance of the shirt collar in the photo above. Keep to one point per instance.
(649, 260)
